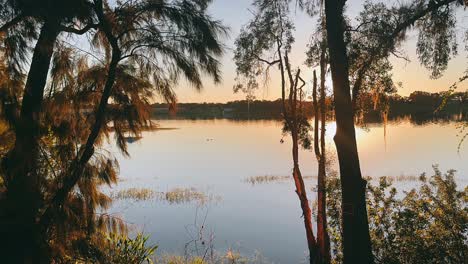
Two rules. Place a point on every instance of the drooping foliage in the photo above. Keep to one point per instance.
(263, 46)
(262, 42)
(109, 62)
(377, 33)
(380, 31)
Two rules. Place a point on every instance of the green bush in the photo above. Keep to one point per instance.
(121, 249)
(427, 224)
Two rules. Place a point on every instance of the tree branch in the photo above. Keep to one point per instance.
(374, 56)
(316, 118)
(79, 31)
(270, 63)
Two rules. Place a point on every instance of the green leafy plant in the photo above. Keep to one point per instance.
(427, 224)
(121, 249)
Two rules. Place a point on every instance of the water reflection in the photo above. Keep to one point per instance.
(216, 156)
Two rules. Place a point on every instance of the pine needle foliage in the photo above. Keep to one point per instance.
(146, 47)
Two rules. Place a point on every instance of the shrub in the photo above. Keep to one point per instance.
(423, 225)
(121, 249)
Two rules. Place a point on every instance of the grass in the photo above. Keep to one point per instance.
(264, 179)
(137, 194)
(230, 257)
(185, 195)
(174, 196)
(270, 178)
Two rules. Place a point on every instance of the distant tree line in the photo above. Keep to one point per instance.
(420, 103)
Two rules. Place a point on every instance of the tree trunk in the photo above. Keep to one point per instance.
(297, 175)
(76, 169)
(291, 121)
(302, 194)
(356, 238)
(323, 160)
(23, 198)
(323, 240)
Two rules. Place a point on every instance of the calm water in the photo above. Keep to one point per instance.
(216, 156)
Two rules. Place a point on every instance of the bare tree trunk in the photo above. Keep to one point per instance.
(322, 223)
(24, 198)
(297, 175)
(356, 238)
(323, 161)
(305, 206)
(290, 117)
(323, 240)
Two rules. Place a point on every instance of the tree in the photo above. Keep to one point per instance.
(21, 163)
(383, 28)
(146, 47)
(249, 91)
(356, 238)
(265, 42)
(317, 56)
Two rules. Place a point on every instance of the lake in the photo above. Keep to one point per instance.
(217, 157)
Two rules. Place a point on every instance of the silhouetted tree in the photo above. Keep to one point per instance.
(21, 163)
(139, 49)
(263, 43)
(383, 28)
(356, 239)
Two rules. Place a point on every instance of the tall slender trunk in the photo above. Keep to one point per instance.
(291, 120)
(23, 198)
(323, 240)
(323, 160)
(305, 206)
(356, 238)
(297, 175)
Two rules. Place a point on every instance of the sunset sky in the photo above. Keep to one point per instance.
(234, 14)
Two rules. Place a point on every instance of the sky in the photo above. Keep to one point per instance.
(235, 14)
